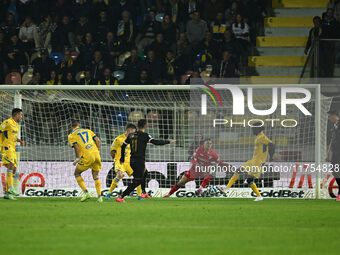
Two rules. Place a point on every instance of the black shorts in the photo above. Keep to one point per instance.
(138, 167)
(336, 161)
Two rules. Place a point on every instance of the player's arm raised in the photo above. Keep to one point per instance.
(160, 142)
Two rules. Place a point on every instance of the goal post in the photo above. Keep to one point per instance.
(172, 112)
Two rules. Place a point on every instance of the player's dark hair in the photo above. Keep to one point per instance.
(130, 126)
(257, 127)
(75, 123)
(316, 17)
(15, 111)
(207, 139)
(141, 123)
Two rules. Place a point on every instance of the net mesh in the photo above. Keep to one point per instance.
(172, 114)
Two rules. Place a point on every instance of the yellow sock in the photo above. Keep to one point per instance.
(81, 182)
(98, 185)
(139, 190)
(255, 189)
(113, 184)
(9, 179)
(232, 180)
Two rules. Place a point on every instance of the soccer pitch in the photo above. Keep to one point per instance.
(169, 226)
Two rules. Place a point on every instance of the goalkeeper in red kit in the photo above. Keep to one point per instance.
(203, 158)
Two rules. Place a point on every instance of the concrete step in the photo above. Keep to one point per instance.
(280, 51)
(279, 70)
(276, 60)
(269, 79)
(262, 41)
(288, 71)
(299, 3)
(286, 31)
(288, 22)
(298, 12)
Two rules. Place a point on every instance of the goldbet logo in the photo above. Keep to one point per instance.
(284, 94)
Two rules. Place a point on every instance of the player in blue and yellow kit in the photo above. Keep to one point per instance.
(120, 169)
(9, 130)
(253, 168)
(86, 146)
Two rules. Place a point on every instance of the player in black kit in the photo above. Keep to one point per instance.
(334, 148)
(138, 142)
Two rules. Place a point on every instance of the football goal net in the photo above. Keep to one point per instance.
(293, 117)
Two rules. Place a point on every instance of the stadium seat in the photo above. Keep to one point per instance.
(80, 75)
(135, 116)
(122, 58)
(119, 118)
(74, 55)
(13, 78)
(34, 56)
(119, 75)
(27, 77)
(57, 57)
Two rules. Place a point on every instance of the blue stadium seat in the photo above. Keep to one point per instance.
(119, 118)
(57, 57)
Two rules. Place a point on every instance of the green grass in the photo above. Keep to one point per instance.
(65, 226)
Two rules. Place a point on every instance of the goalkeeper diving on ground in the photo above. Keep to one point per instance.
(202, 159)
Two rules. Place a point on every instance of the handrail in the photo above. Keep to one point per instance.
(310, 54)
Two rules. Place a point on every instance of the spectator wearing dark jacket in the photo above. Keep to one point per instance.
(153, 66)
(330, 27)
(83, 26)
(14, 53)
(112, 48)
(64, 35)
(144, 78)
(227, 67)
(97, 65)
(87, 49)
(211, 8)
(43, 65)
(149, 30)
(126, 31)
(107, 78)
(230, 44)
(87, 80)
(103, 26)
(314, 33)
(159, 46)
(168, 29)
(132, 67)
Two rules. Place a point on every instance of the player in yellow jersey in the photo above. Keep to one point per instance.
(9, 130)
(86, 146)
(120, 169)
(253, 168)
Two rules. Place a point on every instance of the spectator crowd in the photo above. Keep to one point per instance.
(112, 42)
